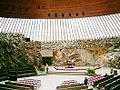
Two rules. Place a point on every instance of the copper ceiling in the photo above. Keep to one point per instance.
(58, 8)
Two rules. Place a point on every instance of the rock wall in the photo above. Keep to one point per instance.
(77, 57)
(33, 52)
(15, 52)
(113, 59)
(112, 56)
(12, 54)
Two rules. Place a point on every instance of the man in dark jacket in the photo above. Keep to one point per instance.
(86, 81)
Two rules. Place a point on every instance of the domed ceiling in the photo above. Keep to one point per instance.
(61, 20)
(58, 8)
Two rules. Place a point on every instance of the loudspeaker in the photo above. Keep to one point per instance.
(27, 39)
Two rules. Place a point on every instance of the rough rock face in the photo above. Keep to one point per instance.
(113, 59)
(15, 52)
(73, 57)
(12, 55)
(33, 52)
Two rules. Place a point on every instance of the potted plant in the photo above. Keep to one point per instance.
(90, 71)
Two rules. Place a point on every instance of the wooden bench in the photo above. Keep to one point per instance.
(74, 88)
(69, 85)
(25, 75)
(5, 88)
(101, 80)
(15, 83)
(22, 72)
(3, 75)
(117, 87)
(15, 87)
(3, 78)
(110, 85)
(13, 74)
(108, 81)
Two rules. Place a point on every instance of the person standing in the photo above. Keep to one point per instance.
(86, 81)
(47, 68)
(111, 70)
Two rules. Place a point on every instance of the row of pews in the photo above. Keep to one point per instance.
(12, 75)
(108, 83)
(15, 86)
(71, 85)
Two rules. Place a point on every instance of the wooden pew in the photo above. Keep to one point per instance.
(15, 87)
(117, 87)
(69, 85)
(14, 83)
(110, 85)
(13, 74)
(78, 87)
(108, 81)
(101, 80)
(74, 88)
(22, 72)
(3, 78)
(3, 75)
(25, 75)
(26, 71)
(5, 88)
(24, 68)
